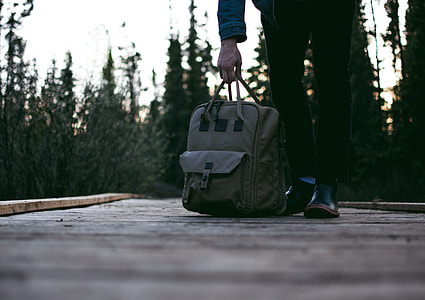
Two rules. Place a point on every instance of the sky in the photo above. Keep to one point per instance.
(86, 28)
(80, 26)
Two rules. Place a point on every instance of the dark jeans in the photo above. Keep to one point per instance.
(329, 24)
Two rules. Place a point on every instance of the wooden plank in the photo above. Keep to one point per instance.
(393, 206)
(12, 207)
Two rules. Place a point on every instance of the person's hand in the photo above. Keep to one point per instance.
(229, 60)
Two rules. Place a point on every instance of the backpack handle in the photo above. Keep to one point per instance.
(238, 96)
(249, 90)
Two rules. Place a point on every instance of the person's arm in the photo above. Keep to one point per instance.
(231, 19)
(232, 30)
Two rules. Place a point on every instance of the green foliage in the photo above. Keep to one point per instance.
(258, 75)
(388, 159)
(16, 91)
(392, 36)
(175, 119)
(409, 109)
(55, 144)
(370, 142)
(185, 88)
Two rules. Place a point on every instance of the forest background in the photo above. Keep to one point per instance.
(55, 141)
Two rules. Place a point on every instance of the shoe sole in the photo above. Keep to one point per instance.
(320, 211)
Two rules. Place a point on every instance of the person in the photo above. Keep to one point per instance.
(319, 163)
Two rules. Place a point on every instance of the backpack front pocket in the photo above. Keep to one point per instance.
(215, 181)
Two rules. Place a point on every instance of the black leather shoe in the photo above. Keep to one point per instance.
(298, 196)
(324, 203)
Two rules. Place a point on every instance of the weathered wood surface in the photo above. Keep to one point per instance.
(24, 206)
(13, 207)
(395, 206)
(154, 249)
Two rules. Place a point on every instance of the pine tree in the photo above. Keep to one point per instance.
(66, 125)
(193, 77)
(393, 35)
(118, 152)
(259, 73)
(130, 64)
(374, 34)
(362, 72)
(370, 145)
(409, 111)
(154, 108)
(200, 63)
(207, 65)
(108, 76)
(43, 137)
(34, 128)
(55, 144)
(176, 112)
(14, 98)
(52, 133)
(185, 88)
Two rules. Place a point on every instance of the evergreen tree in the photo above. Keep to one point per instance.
(153, 116)
(34, 128)
(108, 76)
(67, 122)
(176, 112)
(184, 90)
(130, 67)
(370, 145)
(55, 144)
(194, 73)
(409, 111)
(14, 98)
(374, 34)
(207, 65)
(200, 63)
(119, 152)
(51, 134)
(103, 131)
(259, 73)
(393, 35)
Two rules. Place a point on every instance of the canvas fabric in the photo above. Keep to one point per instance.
(233, 163)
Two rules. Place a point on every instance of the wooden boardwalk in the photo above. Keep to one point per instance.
(154, 249)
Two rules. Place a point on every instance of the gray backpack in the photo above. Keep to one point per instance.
(233, 163)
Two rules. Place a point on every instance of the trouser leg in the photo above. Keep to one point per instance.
(331, 35)
(330, 25)
(285, 52)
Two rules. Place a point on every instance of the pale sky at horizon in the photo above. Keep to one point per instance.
(56, 26)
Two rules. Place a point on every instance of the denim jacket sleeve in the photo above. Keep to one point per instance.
(231, 19)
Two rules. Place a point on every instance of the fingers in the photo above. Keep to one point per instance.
(229, 61)
(227, 74)
(223, 74)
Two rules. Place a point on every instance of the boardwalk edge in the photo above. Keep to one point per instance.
(393, 206)
(13, 207)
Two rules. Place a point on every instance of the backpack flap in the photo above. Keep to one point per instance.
(210, 162)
